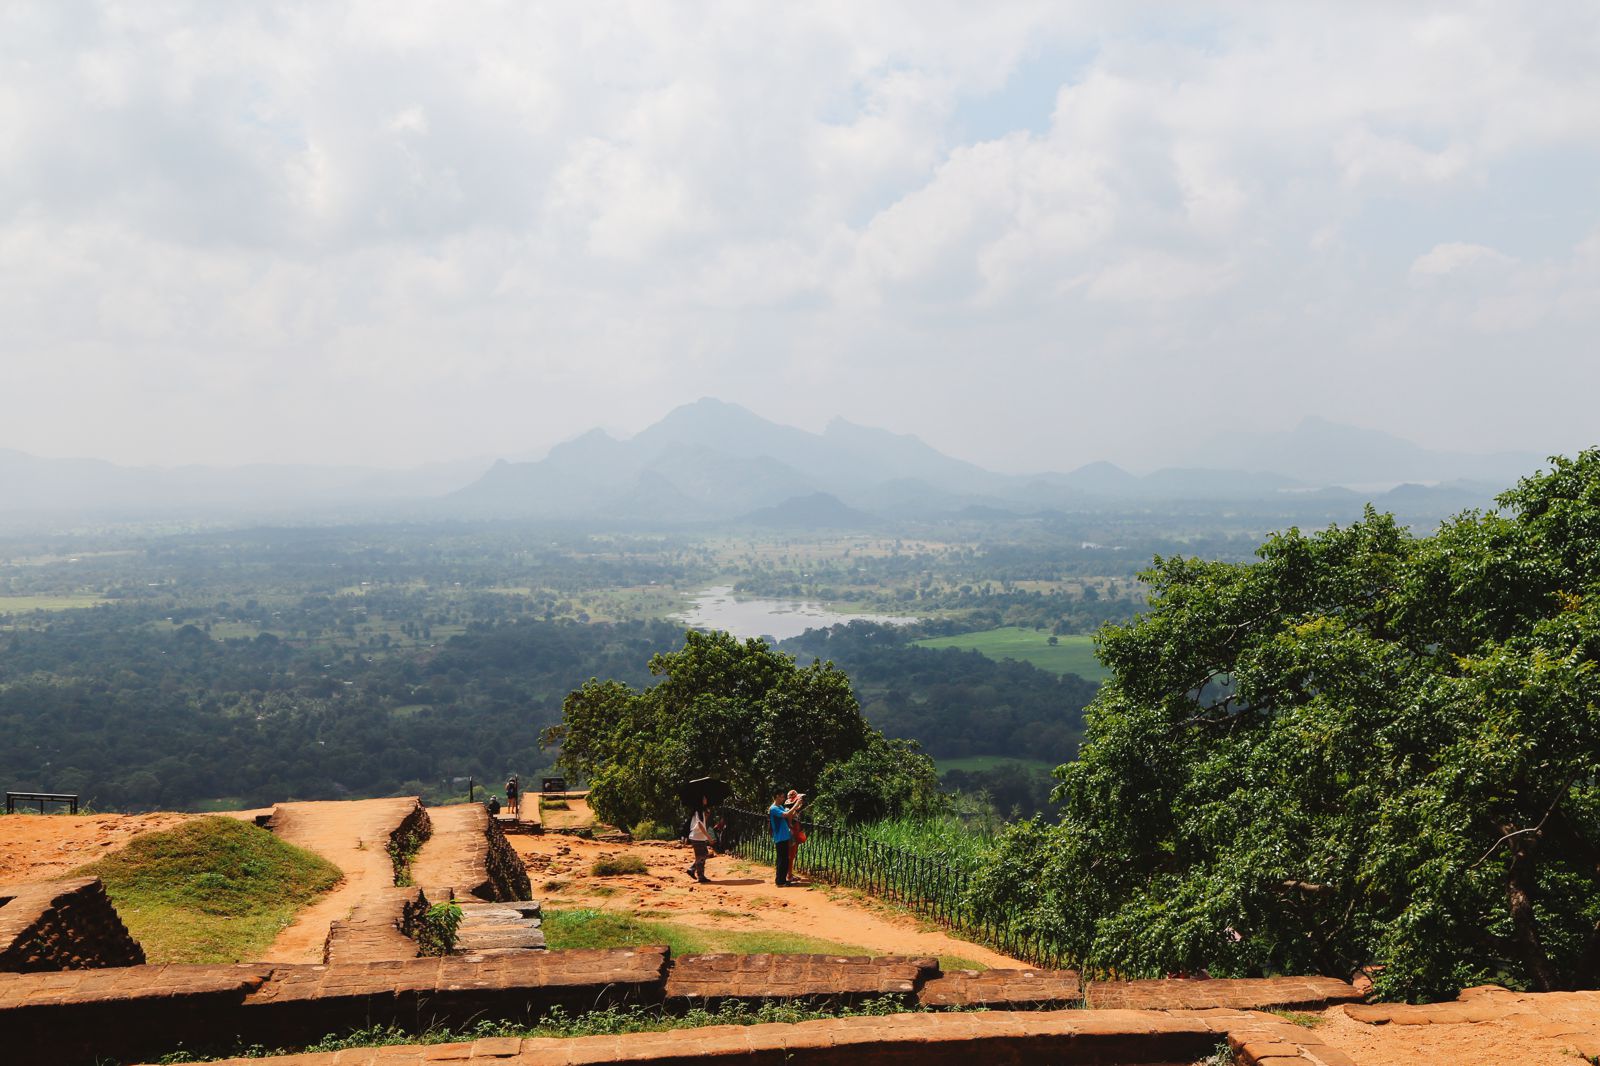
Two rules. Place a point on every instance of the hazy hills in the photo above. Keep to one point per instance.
(712, 461)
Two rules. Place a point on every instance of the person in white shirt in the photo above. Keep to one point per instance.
(700, 838)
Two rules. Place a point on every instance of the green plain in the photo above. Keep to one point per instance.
(1070, 655)
(54, 602)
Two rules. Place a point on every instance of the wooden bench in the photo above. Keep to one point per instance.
(41, 798)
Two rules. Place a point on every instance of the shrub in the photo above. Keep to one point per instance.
(436, 934)
(620, 864)
(650, 830)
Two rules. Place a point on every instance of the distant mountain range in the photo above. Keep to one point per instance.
(716, 462)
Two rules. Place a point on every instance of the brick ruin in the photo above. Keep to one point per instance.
(62, 925)
(144, 1011)
(78, 991)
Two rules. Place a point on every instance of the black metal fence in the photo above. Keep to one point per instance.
(936, 890)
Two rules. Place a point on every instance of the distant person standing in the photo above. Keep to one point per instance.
(778, 818)
(514, 796)
(700, 839)
(797, 836)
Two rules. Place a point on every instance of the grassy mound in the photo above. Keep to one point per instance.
(210, 890)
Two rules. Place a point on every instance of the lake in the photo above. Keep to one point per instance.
(715, 608)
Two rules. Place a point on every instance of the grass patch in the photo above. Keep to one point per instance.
(619, 864)
(1300, 1018)
(211, 890)
(553, 885)
(590, 928)
(957, 962)
(554, 805)
(1073, 654)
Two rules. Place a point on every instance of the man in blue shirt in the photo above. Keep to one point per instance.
(779, 820)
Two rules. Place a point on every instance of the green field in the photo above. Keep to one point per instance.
(1070, 655)
(65, 601)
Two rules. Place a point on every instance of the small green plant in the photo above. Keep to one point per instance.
(1301, 1018)
(436, 933)
(553, 885)
(554, 805)
(401, 852)
(618, 865)
(1221, 1056)
(649, 830)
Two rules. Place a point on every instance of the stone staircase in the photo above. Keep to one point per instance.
(499, 928)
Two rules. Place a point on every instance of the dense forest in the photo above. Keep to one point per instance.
(136, 715)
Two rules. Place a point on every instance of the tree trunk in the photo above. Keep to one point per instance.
(1520, 882)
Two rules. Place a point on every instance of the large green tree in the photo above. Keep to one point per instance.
(1366, 748)
(727, 708)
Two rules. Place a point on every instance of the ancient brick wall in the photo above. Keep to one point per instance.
(506, 871)
(141, 1012)
(408, 837)
(63, 925)
(145, 1011)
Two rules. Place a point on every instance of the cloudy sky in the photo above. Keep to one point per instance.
(1033, 234)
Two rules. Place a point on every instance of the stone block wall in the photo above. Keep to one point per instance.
(62, 925)
(138, 1013)
(409, 835)
(507, 874)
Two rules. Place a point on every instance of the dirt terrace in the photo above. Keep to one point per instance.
(37, 847)
(741, 898)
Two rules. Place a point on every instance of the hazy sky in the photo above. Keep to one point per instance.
(1033, 234)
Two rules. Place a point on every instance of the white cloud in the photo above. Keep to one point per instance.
(510, 223)
(1455, 255)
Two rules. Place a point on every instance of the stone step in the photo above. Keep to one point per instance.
(516, 911)
(496, 928)
(528, 939)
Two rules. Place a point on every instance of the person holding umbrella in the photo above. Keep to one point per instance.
(700, 839)
(700, 795)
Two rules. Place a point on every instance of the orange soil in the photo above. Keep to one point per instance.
(37, 847)
(741, 897)
(1436, 1045)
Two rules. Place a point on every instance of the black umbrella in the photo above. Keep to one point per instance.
(714, 789)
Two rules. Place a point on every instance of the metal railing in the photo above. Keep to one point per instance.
(935, 890)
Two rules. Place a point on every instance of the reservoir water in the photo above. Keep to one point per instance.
(715, 608)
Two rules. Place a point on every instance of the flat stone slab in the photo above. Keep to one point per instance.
(1004, 989)
(1245, 993)
(451, 974)
(128, 984)
(701, 978)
